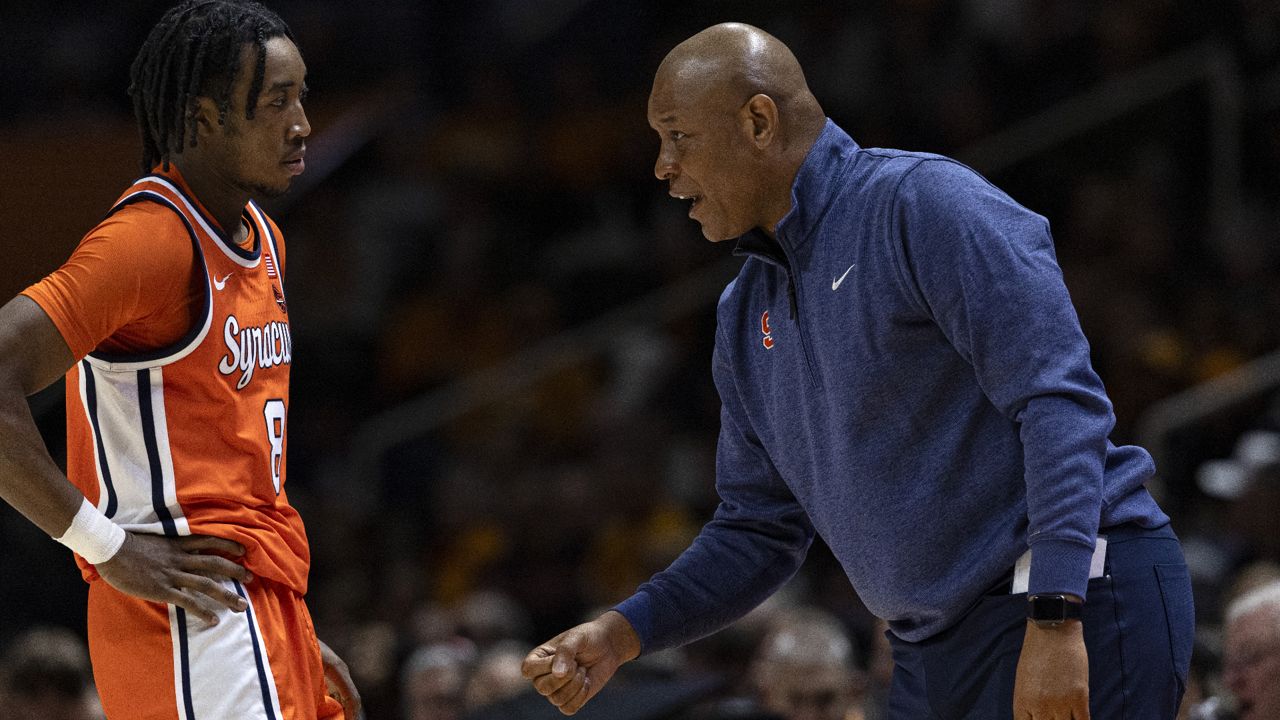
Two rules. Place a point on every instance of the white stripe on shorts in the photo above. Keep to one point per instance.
(222, 671)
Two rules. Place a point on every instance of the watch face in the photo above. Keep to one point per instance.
(1048, 607)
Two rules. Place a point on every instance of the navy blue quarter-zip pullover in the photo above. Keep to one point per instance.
(901, 371)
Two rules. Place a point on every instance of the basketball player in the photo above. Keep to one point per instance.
(901, 371)
(171, 324)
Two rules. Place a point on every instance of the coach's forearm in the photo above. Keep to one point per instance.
(730, 568)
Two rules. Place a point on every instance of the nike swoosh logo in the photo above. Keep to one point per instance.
(219, 284)
(835, 284)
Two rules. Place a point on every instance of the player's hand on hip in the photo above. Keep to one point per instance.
(338, 683)
(186, 571)
(1053, 674)
(570, 668)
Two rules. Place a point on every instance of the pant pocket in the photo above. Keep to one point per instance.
(1179, 611)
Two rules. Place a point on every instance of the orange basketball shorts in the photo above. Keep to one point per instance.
(153, 661)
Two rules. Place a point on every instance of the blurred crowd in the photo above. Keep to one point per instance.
(488, 187)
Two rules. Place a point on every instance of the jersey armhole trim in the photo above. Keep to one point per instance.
(127, 362)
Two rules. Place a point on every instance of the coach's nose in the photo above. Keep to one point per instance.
(666, 168)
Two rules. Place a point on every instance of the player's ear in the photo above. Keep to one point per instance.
(204, 112)
(760, 118)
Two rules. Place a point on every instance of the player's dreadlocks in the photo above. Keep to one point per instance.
(195, 51)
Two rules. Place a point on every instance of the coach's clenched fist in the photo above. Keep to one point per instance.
(570, 668)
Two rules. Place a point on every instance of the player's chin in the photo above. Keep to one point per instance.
(272, 189)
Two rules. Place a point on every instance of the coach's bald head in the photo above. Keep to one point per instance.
(736, 119)
(735, 62)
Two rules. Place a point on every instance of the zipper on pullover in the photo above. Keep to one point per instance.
(794, 300)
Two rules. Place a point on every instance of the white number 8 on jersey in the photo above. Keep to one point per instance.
(273, 412)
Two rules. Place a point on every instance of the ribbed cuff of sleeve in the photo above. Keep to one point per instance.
(1059, 566)
(638, 610)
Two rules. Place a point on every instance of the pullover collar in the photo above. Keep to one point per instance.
(816, 185)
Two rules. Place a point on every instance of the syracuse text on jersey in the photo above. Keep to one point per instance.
(254, 347)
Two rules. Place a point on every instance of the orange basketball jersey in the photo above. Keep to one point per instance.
(191, 439)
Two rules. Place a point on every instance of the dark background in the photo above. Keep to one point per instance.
(503, 325)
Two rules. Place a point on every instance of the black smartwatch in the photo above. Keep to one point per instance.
(1052, 610)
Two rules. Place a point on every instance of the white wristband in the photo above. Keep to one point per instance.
(93, 536)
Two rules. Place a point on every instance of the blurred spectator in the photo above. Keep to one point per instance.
(370, 652)
(487, 617)
(497, 675)
(804, 669)
(1251, 653)
(434, 679)
(1251, 577)
(45, 675)
(1200, 701)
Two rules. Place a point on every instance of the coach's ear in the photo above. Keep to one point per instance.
(759, 116)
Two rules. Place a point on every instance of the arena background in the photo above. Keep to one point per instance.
(502, 413)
